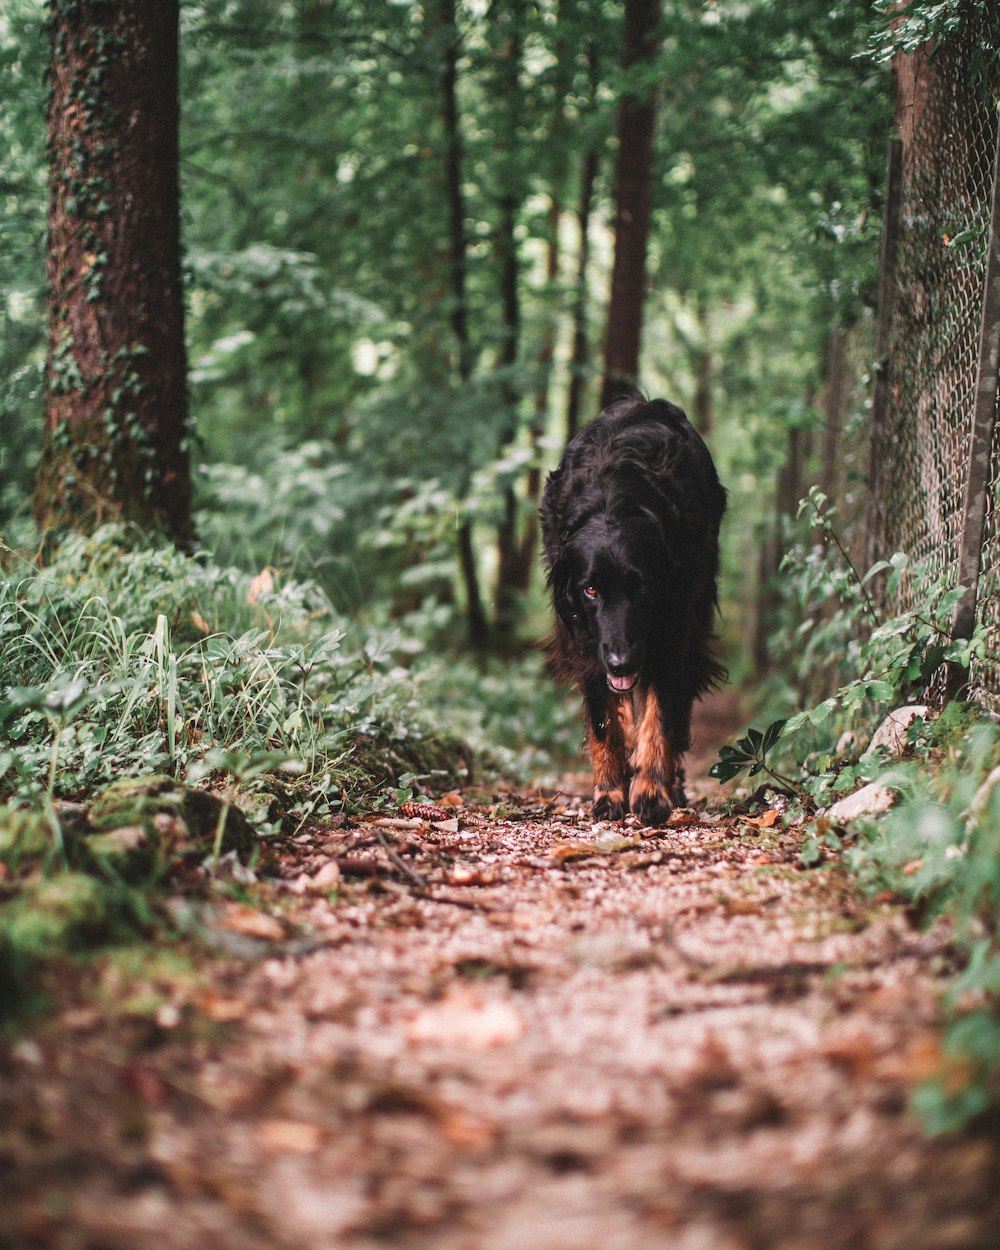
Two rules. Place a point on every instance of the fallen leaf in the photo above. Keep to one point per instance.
(446, 826)
(222, 1010)
(328, 876)
(147, 1083)
(451, 799)
(564, 851)
(466, 1131)
(469, 874)
(766, 820)
(466, 1019)
(912, 867)
(853, 1050)
(740, 906)
(252, 923)
(289, 1136)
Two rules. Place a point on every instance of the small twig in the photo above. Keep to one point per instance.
(467, 903)
(401, 863)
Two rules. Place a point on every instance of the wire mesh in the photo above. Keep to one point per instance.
(935, 335)
(934, 346)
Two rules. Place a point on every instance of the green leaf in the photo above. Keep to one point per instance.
(822, 711)
(772, 734)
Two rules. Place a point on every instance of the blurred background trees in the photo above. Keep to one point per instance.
(399, 222)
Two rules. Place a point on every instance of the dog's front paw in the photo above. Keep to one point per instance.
(650, 801)
(609, 805)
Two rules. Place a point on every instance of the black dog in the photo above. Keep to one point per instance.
(630, 522)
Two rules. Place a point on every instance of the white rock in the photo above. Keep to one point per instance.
(871, 800)
(891, 734)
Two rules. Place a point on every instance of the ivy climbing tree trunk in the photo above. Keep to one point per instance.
(116, 426)
(633, 176)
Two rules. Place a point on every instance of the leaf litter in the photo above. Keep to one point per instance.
(511, 1029)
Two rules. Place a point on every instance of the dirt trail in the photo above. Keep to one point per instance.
(510, 1030)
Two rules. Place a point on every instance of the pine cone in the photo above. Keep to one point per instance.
(423, 811)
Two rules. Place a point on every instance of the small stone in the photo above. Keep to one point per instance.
(891, 734)
(872, 800)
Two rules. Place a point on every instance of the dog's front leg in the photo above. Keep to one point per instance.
(606, 742)
(655, 762)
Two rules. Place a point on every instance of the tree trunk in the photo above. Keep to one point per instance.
(508, 62)
(444, 19)
(704, 412)
(636, 121)
(833, 411)
(580, 355)
(115, 445)
(546, 355)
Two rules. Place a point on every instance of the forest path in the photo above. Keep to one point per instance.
(510, 1030)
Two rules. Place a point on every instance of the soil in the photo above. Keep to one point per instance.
(499, 1026)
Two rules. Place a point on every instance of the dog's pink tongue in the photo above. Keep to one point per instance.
(621, 683)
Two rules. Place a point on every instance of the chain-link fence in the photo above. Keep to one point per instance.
(925, 486)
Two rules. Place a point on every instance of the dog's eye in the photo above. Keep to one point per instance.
(643, 588)
(590, 592)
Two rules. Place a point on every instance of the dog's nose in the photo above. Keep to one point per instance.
(617, 663)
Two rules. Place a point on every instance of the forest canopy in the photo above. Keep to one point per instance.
(352, 406)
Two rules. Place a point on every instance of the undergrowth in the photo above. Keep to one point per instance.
(123, 662)
(844, 664)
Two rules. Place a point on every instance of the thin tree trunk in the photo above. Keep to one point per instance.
(444, 16)
(546, 355)
(509, 70)
(115, 445)
(636, 122)
(704, 414)
(580, 355)
(833, 407)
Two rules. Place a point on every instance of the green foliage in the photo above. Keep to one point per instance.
(126, 660)
(320, 297)
(936, 26)
(911, 26)
(749, 754)
(939, 846)
(831, 650)
(158, 708)
(835, 653)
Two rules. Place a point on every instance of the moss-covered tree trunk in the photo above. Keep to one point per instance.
(115, 444)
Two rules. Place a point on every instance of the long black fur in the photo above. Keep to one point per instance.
(630, 525)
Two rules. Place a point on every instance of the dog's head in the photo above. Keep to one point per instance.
(606, 585)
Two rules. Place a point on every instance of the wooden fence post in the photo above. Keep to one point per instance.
(981, 436)
(883, 326)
